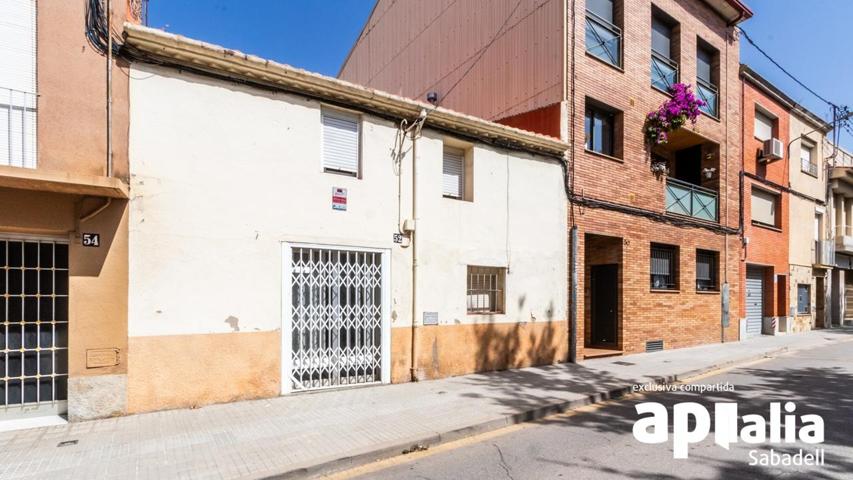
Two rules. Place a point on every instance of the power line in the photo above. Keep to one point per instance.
(786, 72)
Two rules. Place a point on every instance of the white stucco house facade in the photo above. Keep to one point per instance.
(290, 232)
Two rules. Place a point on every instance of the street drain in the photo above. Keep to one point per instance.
(67, 443)
(627, 364)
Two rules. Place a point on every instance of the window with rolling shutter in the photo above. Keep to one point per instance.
(664, 267)
(340, 142)
(763, 207)
(18, 83)
(453, 173)
(763, 125)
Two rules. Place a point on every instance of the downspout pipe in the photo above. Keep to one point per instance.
(108, 15)
(573, 292)
(413, 242)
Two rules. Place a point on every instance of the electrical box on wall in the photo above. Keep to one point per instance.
(409, 225)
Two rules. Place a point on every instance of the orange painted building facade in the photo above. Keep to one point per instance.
(63, 225)
(764, 266)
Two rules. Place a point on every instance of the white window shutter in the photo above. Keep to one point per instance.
(18, 45)
(340, 141)
(18, 83)
(764, 207)
(453, 173)
(763, 126)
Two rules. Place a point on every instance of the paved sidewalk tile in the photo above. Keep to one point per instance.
(266, 437)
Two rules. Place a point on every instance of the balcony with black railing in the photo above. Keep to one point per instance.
(708, 93)
(603, 39)
(687, 199)
(664, 71)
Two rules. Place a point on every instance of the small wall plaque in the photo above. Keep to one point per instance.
(102, 357)
(430, 318)
(91, 240)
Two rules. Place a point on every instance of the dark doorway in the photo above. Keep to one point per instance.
(604, 284)
(820, 303)
(688, 165)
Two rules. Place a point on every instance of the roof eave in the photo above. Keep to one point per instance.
(181, 51)
(733, 11)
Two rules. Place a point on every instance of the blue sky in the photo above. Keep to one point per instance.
(810, 38)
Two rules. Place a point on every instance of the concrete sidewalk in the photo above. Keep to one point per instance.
(310, 434)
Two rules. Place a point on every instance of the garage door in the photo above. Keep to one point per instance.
(33, 328)
(754, 300)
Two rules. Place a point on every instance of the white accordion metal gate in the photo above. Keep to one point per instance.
(335, 317)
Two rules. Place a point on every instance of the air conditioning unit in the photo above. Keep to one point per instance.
(773, 150)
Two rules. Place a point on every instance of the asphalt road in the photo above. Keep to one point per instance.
(599, 443)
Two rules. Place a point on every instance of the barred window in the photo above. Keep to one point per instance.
(486, 289)
(664, 267)
(707, 266)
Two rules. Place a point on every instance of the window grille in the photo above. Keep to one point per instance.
(486, 289)
(707, 266)
(664, 261)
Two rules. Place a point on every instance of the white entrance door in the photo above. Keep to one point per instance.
(754, 300)
(335, 326)
(33, 327)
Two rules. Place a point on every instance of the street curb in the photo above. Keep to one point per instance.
(537, 413)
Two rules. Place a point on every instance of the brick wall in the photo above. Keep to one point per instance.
(767, 247)
(683, 317)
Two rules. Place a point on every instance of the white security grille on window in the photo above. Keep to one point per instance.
(340, 141)
(663, 267)
(706, 270)
(18, 83)
(486, 289)
(764, 207)
(453, 173)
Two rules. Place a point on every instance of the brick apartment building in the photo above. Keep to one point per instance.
(63, 231)
(764, 271)
(657, 259)
(787, 258)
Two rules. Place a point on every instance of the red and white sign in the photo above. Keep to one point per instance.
(339, 198)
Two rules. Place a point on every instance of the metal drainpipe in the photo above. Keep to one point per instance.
(573, 301)
(109, 90)
(413, 243)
